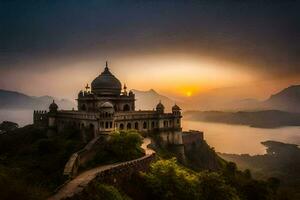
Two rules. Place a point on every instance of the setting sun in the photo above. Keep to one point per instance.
(188, 93)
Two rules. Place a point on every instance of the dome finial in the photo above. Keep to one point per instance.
(106, 69)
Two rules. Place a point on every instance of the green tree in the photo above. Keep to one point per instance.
(125, 145)
(167, 180)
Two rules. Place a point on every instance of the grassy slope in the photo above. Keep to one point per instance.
(34, 162)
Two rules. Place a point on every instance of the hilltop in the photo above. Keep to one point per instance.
(17, 100)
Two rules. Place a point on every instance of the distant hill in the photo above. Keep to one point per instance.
(287, 99)
(262, 119)
(16, 100)
(147, 100)
(281, 161)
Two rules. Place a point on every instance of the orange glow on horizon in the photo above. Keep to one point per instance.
(188, 93)
(175, 75)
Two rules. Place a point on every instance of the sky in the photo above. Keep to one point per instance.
(179, 48)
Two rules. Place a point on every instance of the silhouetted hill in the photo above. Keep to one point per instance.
(287, 99)
(262, 119)
(281, 161)
(147, 100)
(16, 100)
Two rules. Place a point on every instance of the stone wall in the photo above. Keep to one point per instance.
(123, 172)
(80, 158)
(192, 136)
(117, 174)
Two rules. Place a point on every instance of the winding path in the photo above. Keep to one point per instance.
(82, 180)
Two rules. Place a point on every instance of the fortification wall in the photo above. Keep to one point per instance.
(40, 118)
(192, 136)
(113, 174)
(80, 158)
(121, 173)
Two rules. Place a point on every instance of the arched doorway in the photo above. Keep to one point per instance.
(136, 125)
(121, 127)
(129, 126)
(152, 125)
(144, 125)
(126, 107)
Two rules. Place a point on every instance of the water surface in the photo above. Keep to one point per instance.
(22, 117)
(239, 139)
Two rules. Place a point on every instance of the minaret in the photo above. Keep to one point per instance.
(125, 89)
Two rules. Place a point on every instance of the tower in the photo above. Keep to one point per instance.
(160, 108)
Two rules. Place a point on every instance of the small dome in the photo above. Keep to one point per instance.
(175, 107)
(53, 106)
(106, 84)
(107, 105)
(160, 106)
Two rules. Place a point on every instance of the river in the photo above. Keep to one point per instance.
(241, 139)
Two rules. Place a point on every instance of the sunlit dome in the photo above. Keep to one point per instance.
(106, 105)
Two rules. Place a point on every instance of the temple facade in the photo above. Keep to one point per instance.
(106, 106)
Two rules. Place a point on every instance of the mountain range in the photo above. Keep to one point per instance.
(147, 100)
(16, 100)
(287, 99)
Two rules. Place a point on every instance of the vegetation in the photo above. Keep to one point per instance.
(121, 146)
(281, 161)
(8, 126)
(168, 180)
(32, 161)
(98, 191)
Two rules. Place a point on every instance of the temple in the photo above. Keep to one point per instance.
(106, 106)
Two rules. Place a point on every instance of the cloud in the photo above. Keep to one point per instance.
(257, 35)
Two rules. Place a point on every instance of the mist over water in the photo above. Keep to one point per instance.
(239, 139)
(22, 117)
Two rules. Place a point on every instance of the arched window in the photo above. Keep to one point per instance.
(92, 126)
(126, 107)
(106, 124)
(144, 125)
(83, 107)
(136, 125)
(152, 124)
(165, 124)
(129, 126)
(110, 124)
(121, 126)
